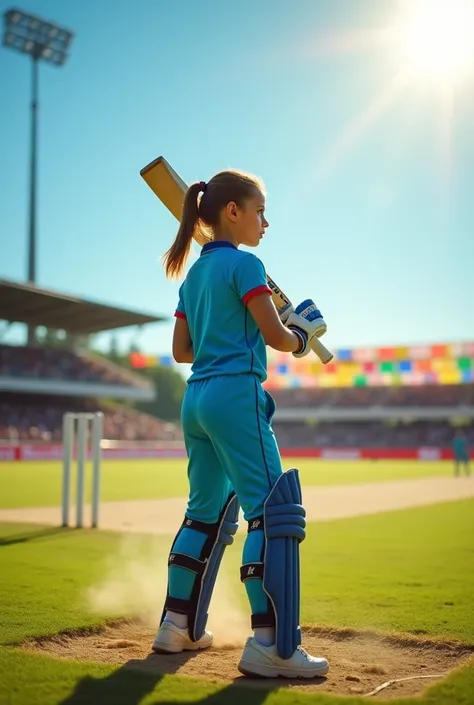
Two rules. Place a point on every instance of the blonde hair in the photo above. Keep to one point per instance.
(202, 214)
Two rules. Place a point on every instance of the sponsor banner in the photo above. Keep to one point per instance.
(41, 451)
(341, 453)
(300, 452)
(326, 453)
(53, 451)
(389, 453)
(429, 453)
(8, 452)
(425, 453)
(118, 453)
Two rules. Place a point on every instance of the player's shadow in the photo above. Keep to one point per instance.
(122, 687)
(137, 678)
(127, 685)
(34, 535)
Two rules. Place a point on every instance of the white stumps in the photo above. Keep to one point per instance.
(97, 431)
(77, 445)
(68, 442)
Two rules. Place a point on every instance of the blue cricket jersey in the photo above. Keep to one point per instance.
(213, 299)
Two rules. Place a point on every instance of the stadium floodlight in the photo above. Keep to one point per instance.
(32, 35)
(43, 41)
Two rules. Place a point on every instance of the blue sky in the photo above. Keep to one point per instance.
(369, 201)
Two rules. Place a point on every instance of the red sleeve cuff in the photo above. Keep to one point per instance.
(180, 314)
(264, 289)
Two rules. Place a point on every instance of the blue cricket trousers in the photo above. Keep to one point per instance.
(230, 444)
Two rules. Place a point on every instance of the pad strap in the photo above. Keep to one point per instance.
(263, 620)
(202, 527)
(176, 604)
(188, 562)
(251, 570)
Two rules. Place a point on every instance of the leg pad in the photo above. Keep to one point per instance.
(219, 536)
(283, 523)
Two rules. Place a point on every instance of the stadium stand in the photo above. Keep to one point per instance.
(399, 397)
(39, 384)
(373, 434)
(39, 418)
(369, 398)
(53, 363)
(353, 397)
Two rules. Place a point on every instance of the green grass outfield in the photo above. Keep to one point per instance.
(36, 484)
(406, 571)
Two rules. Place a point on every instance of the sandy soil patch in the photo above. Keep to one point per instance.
(360, 662)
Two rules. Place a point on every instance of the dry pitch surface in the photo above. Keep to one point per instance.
(362, 663)
(162, 516)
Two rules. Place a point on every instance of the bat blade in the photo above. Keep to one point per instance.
(170, 189)
(166, 184)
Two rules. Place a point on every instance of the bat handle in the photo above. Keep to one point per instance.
(322, 352)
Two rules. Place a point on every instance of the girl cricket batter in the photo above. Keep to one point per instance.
(224, 319)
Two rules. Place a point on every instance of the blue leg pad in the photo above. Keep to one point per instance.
(205, 568)
(284, 526)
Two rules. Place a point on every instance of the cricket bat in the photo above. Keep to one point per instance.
(170, 189)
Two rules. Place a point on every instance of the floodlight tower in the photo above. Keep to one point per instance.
(42, 41)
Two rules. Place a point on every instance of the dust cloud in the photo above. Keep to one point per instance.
(134, 585)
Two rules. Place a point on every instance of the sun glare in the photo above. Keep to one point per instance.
(425, 44)
(435, 40)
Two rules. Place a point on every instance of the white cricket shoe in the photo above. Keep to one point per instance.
(171, 640)
(258, 660)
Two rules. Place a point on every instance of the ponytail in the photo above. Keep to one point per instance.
(175, 258)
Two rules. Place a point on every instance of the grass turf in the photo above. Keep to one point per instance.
(37, 680)
(36, 484)
(403, 571)
(406, 570)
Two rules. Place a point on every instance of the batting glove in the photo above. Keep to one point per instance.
(307, 322)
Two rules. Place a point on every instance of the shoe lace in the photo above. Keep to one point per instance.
(303, 651)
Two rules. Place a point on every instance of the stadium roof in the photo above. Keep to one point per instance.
(26, 303)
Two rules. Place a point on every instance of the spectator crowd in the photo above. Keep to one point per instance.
(372, 434)
(38, 417)
(54, 363)
(350, 397)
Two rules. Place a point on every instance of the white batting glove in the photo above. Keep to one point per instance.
(307, 322)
